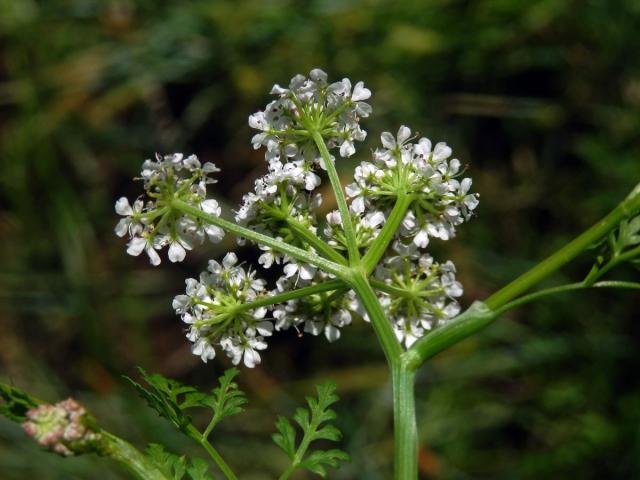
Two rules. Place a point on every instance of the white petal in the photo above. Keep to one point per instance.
(331, 333)
(265, 328)
(123, 207)
(376, 219)
(229, 260)
(465, 185)
(347, 149)
(251, 358)
(154, 258)
(441, 151)
(357, 205)
(136, 246)
(266, 259)
(211, 207)
(176, 252)
(421, 239)
(471, 201)
(403, 134)
(360, 92)
(307, 272)
(387, 140)
(215, 233)
(290, 269)
(425, 146)
(318, 75)
(122, 227)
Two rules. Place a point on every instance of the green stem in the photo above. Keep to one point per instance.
(213, 453)
(380, 244)
(404, 423)
(381, 325)
(404, 414)
(596, 274)
(134, 460)
(561, 289)
(291, 295)
(567, 253)
(479, 315)
(347, 224)
(316, 242)
(279, 246)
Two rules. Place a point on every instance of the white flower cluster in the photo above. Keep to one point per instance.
(367, 227)
(151, 224)
(228, 308)
(213, 307)
(421, 292)
(441, 201)
(282, 200)
(311, 104)
(424, 291)
(320, 313)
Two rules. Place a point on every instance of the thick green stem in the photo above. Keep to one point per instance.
(134, 460)
(630, 205)
(381, 325)
(347, 224)
(476, 317)
(380, 244)
(213, 453)
(404, 423)
(277, 245)
(404, 411)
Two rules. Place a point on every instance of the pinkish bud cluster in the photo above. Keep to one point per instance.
(62, 428)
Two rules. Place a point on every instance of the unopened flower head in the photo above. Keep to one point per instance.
(151, 223)
(64, 428)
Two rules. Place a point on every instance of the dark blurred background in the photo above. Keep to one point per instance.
(540, 98)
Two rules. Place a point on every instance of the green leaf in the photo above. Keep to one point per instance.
(198, 470)
(286, 438)
(316, 461)
(227, 399)
(16, 403)
(313, 422)
(629, 234)
(168, 463)
(171, 399)
(166, 396)
(175, 467)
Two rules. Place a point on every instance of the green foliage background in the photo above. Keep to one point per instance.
(540, 98)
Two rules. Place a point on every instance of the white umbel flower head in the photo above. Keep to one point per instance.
(441, 200)
(215, 309)
(421, 293)
(311, 102)
(152, 224)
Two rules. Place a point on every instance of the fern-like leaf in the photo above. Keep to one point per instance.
(171, 399)
(313, 422)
